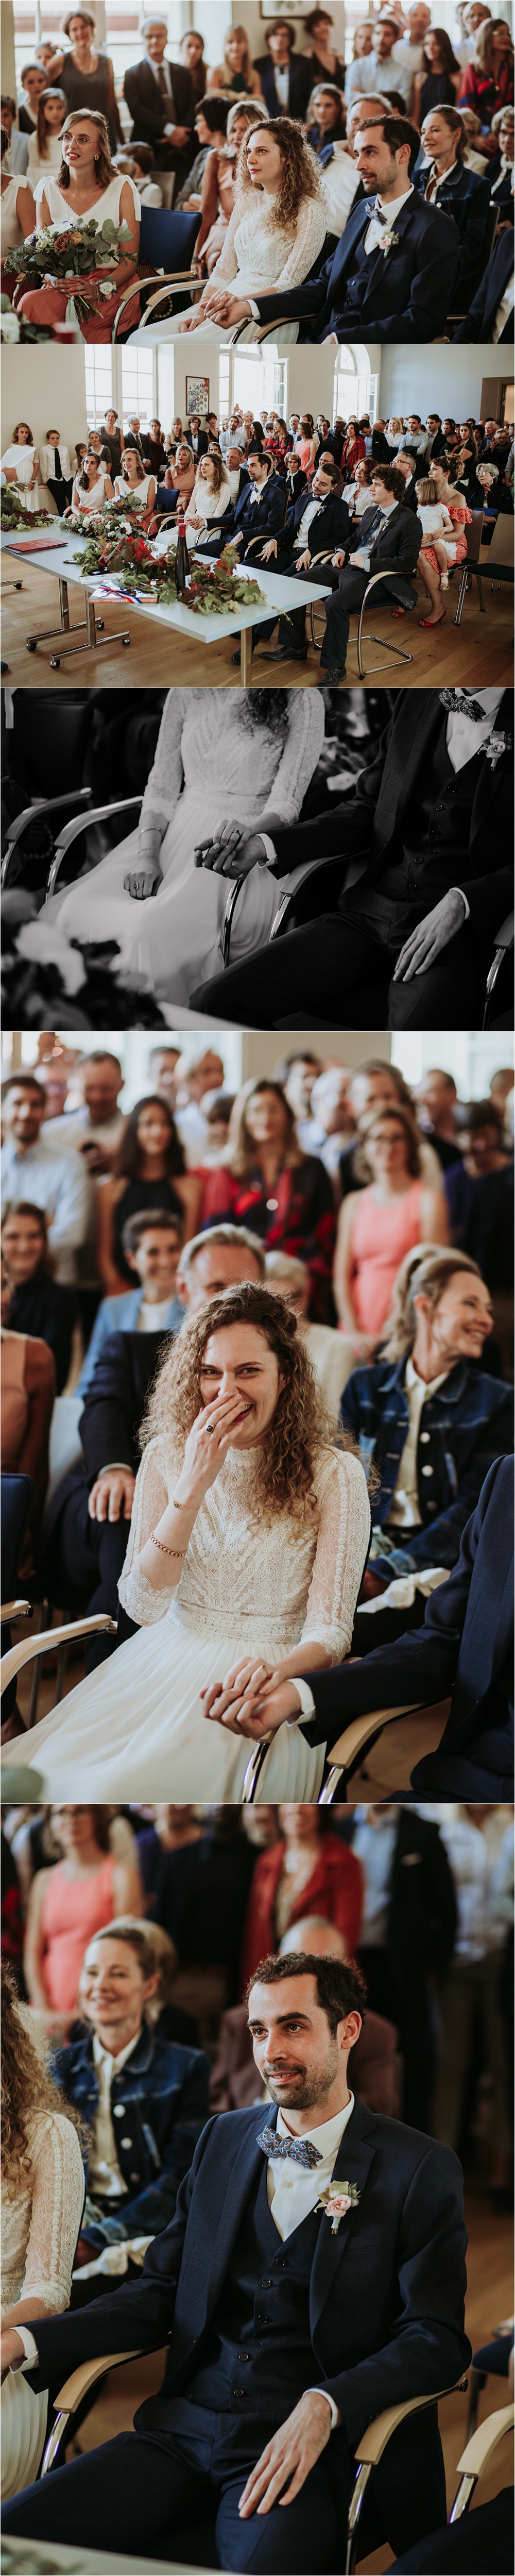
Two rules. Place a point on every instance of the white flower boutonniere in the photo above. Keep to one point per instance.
(389, 243)
(336, 2203)
(497, 743)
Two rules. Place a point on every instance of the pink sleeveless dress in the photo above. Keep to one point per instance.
(381, 1236)
(73, 1910)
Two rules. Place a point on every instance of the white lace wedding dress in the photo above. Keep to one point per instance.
(213, 765)
(41, 2217)
(136, 1728)
(261, 255)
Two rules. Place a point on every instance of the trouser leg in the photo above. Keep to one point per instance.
(129, 2495)
(329, 972)
(349, 595)
(302, 2538)
(448, 995)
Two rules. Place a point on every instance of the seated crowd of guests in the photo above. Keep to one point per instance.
(129, 1938)
(383, 1217)
(424, 129)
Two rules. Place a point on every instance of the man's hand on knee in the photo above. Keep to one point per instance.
(112, 1495)
(289, 2457)
(425, 943)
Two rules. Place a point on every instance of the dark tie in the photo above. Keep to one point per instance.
(459, 704)
(300, 2149)
(163, 83)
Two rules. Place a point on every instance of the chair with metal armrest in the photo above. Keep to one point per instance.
(266, 330)
(97, 814)
(163, 280)
(477, 2457)
(76, 2388)
(393, 649)
(55, 1642)
(489, 2358)
(369, 2451)
(345, 1755)
(326, 878)
(42, 805)
(471, 565)
(504, 940)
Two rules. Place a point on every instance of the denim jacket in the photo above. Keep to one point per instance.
(464, 1426)
(159, 2104)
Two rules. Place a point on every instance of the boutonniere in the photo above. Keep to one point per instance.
(389, 243)
(497, 743)
(336, 2203)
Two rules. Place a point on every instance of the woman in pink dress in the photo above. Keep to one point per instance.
(455, 547)
(380, 1224)
(70, 1902)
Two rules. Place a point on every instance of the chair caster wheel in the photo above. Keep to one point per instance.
(99, 625)
(18, 585)
(31, 648)
(126, 639)
(54, 663)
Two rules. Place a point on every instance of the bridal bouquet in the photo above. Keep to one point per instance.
(78, 251)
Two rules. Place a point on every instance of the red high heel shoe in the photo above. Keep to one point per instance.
(433, 621)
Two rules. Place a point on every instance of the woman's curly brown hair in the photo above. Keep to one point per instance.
(26, 2083)
(104, 166)
(301, 173)
(299, 1430)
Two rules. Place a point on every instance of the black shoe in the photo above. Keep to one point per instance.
(286, 653)
(236, 657)
(331, 679)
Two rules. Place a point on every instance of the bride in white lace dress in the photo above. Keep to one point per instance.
(246, 1553)
(42, 2203)
(248, 761)
(274, 239)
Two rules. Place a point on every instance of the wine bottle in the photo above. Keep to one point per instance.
(182, 561)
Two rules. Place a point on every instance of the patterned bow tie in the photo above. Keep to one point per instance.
(458, 702)
(299, 2148)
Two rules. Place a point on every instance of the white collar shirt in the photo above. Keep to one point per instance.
(293, 2190)
(465, 735)
(404, 1512)
(308, 514)
(104, 2173)
(282, 82)
(384, 221)
(157, 69)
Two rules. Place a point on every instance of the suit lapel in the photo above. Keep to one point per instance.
(353, 2163)
(378, 258)
(490, 779)
(395, 794)
(244, 2173)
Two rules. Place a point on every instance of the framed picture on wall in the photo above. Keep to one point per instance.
(290, 9)
(197, 395)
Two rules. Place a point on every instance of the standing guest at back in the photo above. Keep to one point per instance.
(284, 78)
(439, 82)
(267, 1182)
(161, 100)
(236, 75)
(488, 80)
(95, 1130)
(319, 28)
(152, 1246)
(70, 1901)
(148, 1173)
(36, 1168)
(85, 75)
(379, 1225)
(192, 55)
(309, 1871)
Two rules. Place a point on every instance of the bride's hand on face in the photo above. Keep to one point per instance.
(207, 1445)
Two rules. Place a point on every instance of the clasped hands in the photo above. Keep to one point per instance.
(230, 852)
(219, 306)
(254, 1699)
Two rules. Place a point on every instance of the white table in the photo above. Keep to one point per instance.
(56, 560)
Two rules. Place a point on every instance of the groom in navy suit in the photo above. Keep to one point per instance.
(392, 274)
(291, 2324)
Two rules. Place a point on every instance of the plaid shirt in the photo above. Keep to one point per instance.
(468, 1423)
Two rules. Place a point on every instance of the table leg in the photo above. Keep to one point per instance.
(246, 657)
(47, 634)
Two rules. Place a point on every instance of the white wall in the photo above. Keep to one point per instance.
(436, 379)
(44, 385)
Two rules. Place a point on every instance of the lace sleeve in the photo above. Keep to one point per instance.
(153, 1486)
(227, 265)
(56, 2211)
(164, 784)
(303, 748)
(340, 1558)
(309, 240)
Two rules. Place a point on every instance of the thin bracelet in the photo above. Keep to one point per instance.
(176, 1507)
(166, 1551)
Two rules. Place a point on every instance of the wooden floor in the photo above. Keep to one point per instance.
(466, 656)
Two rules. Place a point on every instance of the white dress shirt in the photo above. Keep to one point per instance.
(385, 223)
(308, 514)
(293, 2190)
(157, 69)
(404, 1510)
(104, 2173)
(282, 84)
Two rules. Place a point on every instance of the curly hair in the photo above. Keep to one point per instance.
(299, 1430)
(301, 173)
(27, 2085)
(103, 164)
(404, 1119)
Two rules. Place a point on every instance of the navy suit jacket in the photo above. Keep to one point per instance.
(366, 825)
(408, 293)
(262, 518)
(299, 88)
(465, 1647)
(331, 528)
(386, 2293)
(479, 322)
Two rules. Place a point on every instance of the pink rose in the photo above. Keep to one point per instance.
(338, 2203)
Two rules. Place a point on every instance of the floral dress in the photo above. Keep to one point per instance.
(455, 547)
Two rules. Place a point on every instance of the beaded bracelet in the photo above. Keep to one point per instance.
(166, 1551)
